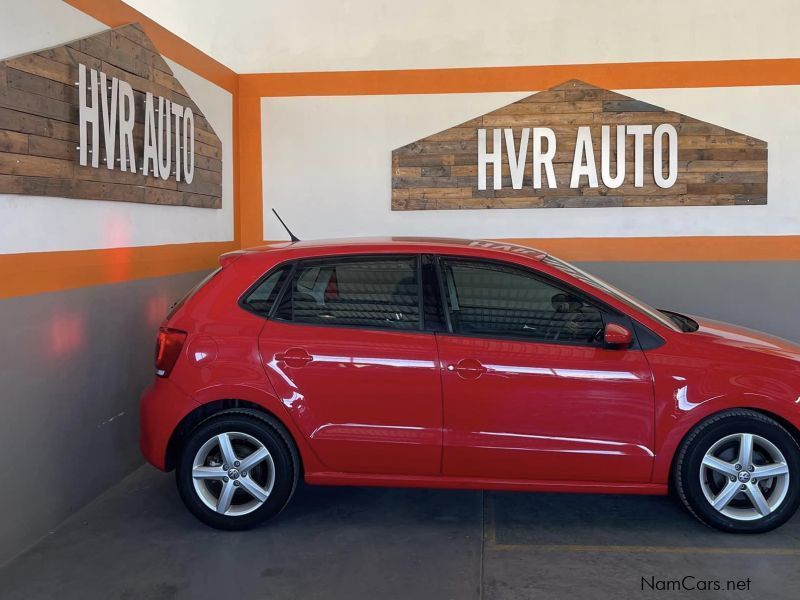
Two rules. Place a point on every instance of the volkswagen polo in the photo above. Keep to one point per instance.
(462, 364)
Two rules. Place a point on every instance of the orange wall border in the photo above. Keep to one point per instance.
(251, 204)
(671, 249)
(642, 75)
(38, 272)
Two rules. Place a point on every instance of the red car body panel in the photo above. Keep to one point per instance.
(375, 408)
(369, 407)
(548, 409)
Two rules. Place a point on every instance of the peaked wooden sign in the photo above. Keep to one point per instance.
(105, 118)
(580, 146)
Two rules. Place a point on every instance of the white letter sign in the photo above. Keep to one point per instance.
(112, 109)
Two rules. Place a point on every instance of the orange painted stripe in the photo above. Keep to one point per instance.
(644, 75)
(251, 207)
(116, 13)
(668, 249)
(37, 272)
(237, 171)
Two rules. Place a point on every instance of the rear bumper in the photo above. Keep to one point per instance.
(163, 406)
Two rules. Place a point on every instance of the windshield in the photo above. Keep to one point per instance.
(610, 290)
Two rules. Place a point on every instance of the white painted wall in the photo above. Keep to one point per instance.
(38, 224)
(327, 168)
(32, 25)
(319, 35)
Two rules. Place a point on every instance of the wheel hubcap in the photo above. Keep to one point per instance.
(744, 476)
(233, 490)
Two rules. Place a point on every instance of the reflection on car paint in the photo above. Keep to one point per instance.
(570, 373)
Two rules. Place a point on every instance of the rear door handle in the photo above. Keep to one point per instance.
(468, 368)
(294, 357)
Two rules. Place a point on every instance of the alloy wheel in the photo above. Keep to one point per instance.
(233, 473)
(744, 476)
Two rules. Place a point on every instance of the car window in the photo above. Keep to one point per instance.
(262, 297)
(354, 292)
(487, 298)
(609, 289)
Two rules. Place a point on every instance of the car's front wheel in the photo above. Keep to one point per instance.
(739, 471)
(236, 470)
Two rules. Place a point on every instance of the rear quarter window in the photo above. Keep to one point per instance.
(262, 296)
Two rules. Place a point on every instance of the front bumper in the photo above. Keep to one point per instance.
(163, 406)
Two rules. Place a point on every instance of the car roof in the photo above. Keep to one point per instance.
(387, 244)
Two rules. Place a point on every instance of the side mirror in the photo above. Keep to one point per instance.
(617, 336)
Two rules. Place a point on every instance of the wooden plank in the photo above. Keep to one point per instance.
(748, 189)
(34, 84)
(539, 120)
(108, 191)
(208, 180)
(36, 166)
(39, 105)
(14, 142)
(62, 187)
(549, 108)
(630, 106)
(43, 67)
(202, 201)
(11, 184)
(51, 147)
(15, 120)
(168, 81)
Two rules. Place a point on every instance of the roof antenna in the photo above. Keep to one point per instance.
(292, 236)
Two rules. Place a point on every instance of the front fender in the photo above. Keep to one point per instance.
(677, 424)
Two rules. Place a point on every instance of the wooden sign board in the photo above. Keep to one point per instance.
(580, 146)
(143, 138)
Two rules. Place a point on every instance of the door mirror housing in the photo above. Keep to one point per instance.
(617, 336)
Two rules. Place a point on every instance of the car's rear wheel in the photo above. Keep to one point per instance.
(236, 470)
(739, 471)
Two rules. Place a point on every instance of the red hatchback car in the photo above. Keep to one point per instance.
(462, 364)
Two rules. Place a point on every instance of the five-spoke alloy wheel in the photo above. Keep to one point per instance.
(738, 471)
(236, 470)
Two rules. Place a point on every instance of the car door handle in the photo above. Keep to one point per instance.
(468, 368)
(294, 357)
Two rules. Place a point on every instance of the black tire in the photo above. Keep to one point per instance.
(274, 438)
(687, 473)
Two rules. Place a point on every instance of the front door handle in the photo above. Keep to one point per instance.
(468, 368)
(294, 357)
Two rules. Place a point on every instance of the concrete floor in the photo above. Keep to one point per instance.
(137, 541)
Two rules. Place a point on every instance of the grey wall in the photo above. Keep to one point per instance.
(72, 367)
(760, 295)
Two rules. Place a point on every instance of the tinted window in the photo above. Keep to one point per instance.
(495, 299)
(262, 298)
(610, 290)
(364, 292)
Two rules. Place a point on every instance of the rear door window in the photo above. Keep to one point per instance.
(376, 292)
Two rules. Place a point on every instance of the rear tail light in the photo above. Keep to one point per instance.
(168, 348)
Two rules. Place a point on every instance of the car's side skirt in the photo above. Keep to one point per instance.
(575, 487)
